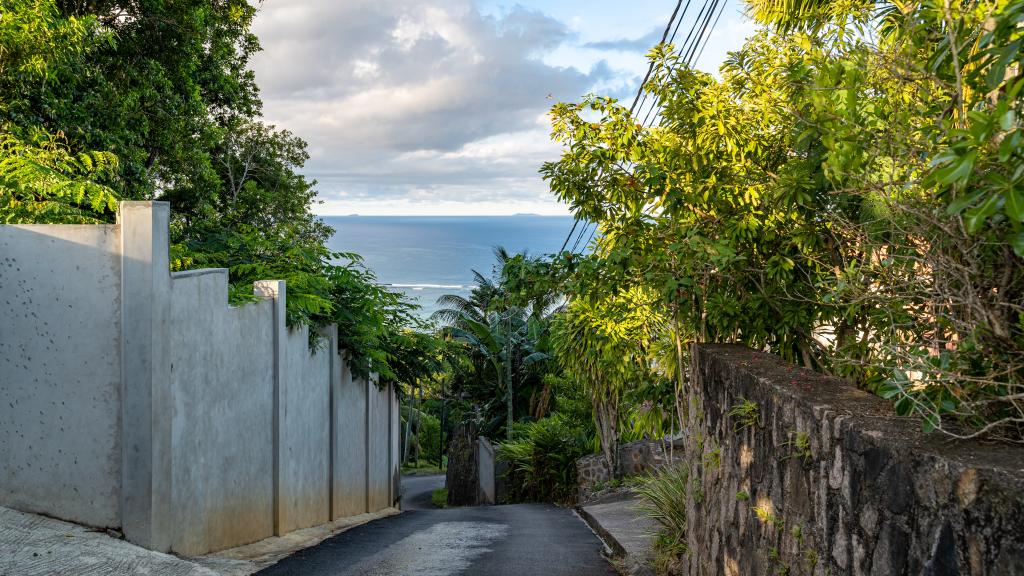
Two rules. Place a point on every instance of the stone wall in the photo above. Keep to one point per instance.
(635, 458)
(139, 399)
(821, 478)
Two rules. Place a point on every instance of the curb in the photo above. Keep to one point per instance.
(613, 547)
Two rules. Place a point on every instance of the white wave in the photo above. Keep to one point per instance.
(437, 286)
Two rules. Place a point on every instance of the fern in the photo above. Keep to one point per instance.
(43, 182)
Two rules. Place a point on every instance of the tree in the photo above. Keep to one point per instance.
(846, 195)
(604, 344)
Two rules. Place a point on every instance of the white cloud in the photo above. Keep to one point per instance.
(413, 107)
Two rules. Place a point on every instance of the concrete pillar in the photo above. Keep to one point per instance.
(330, 334)
(146, 399)
(275, 290)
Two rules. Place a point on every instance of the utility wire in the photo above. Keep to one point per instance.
(639, 91)
(688, 54)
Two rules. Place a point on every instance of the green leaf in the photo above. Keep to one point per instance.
(976, 217)
(1017, 243)
(1014, 205)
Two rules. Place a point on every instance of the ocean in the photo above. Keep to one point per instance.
(428, 256)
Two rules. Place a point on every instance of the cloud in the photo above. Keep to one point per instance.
(428, 101)
(641, 44)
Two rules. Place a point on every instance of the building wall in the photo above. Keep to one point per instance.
(141, 399)
(222, 377)
(826, 480)
(60, 369)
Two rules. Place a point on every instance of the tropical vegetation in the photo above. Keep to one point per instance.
(107, 101)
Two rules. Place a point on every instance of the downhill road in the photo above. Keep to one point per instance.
(512, 540)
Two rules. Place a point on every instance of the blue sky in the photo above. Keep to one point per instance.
(439, 106)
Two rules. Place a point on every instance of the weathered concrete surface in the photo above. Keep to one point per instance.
(378, 446)
(349, 460)
(485, 470)
(245, 560)
(625, 529)
(33, 545)
(828, 481)
(139, 399)
(60, 368)
(222, 377)
(305, 434)
(146, 365)
(462, 476)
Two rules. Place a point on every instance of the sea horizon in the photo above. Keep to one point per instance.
(425, 257)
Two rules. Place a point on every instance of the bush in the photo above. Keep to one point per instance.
(542, 460)
(439, 497)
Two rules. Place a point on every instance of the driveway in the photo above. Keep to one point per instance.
(512, 540)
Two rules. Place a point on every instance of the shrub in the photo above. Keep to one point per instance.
(439, 497)
(542, 460)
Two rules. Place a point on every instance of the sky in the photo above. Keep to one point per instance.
(439, 107)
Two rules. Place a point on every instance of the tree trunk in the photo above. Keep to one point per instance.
(606, 412)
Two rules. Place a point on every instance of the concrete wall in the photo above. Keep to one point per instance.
(141, 399)
(485, 469)
(349, 460)
(378, 446)
(828, 481)
(222, 377)
(60, 368)
(396, 448)
(305, 434)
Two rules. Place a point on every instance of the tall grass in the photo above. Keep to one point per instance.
(663, 498)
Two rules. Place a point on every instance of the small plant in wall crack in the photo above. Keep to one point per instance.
(745, 414)
(800, 445)
(713, 459)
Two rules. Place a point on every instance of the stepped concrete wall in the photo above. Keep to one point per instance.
(141, 399)
(60, 370)
(349, 462)
(305, 433)
(222, 378)
(824, 479)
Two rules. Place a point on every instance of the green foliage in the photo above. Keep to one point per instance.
(43, 182)
(604, 344)
(504, 346)
(848, 195)
(800, 444)
(542, 460)
(746, 414)
(154, 100)
(425, 440)
(663, 497)
(439, 498)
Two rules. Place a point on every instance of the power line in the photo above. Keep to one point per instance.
(639, 91)
(650, 68)
(688, 53)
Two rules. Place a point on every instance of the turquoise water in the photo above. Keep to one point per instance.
(427, 256)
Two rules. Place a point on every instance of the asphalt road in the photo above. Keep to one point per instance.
(513, 540)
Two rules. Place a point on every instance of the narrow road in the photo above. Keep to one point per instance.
(512, 540)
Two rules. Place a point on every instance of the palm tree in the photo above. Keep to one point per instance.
(502, 335)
